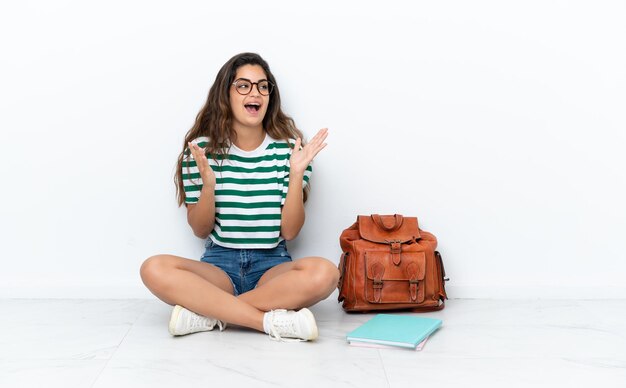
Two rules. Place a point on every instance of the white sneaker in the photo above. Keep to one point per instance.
(299, 325)
(184, 322)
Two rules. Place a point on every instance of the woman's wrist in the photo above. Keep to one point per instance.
(208, 188)
(296, 174)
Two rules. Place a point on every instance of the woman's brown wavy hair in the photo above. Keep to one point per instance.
(215, 119)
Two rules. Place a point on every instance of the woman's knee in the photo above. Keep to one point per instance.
(153, 268)
(324, 275)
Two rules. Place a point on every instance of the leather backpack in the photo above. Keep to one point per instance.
(388, 263)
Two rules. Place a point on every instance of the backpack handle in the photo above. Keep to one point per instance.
(378, 220)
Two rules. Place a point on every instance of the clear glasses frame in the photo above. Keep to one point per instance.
(262, 91)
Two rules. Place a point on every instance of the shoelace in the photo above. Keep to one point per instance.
(198, 322)
(282, 326)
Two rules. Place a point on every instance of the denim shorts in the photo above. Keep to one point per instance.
(244, 266)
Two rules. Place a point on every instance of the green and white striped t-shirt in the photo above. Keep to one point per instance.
(251, 188)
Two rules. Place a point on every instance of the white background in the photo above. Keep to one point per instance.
(501, 125)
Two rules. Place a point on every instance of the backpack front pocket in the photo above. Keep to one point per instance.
(388, 282)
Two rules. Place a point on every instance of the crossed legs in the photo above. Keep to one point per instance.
(207, 290)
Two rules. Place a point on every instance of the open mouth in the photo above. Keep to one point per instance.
(252, 108)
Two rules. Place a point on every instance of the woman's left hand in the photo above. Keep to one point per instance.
(301, 157)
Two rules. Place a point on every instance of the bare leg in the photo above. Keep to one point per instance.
(199, 287)
(294, 285)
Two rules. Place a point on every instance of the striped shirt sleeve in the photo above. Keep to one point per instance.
(192, 182)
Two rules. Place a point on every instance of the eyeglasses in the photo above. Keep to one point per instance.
(243, 86)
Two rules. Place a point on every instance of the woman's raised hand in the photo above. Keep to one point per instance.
(301, 157)
(206, 172)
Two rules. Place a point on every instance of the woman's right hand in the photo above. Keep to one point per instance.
(206, 172)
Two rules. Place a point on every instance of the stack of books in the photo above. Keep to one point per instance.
(391, 331)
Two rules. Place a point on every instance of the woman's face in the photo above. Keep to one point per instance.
(249, 109)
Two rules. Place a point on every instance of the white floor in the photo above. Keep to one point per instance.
(482, 343)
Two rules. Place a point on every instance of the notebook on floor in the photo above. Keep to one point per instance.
(405, 331)
(360, 344)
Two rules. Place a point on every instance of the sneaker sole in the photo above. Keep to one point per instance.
(312, 323)
(173, 319)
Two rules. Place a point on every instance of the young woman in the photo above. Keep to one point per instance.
(242, 175)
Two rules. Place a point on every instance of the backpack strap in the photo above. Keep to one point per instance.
(378, 270)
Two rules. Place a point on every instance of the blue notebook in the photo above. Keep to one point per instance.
(405, 331)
